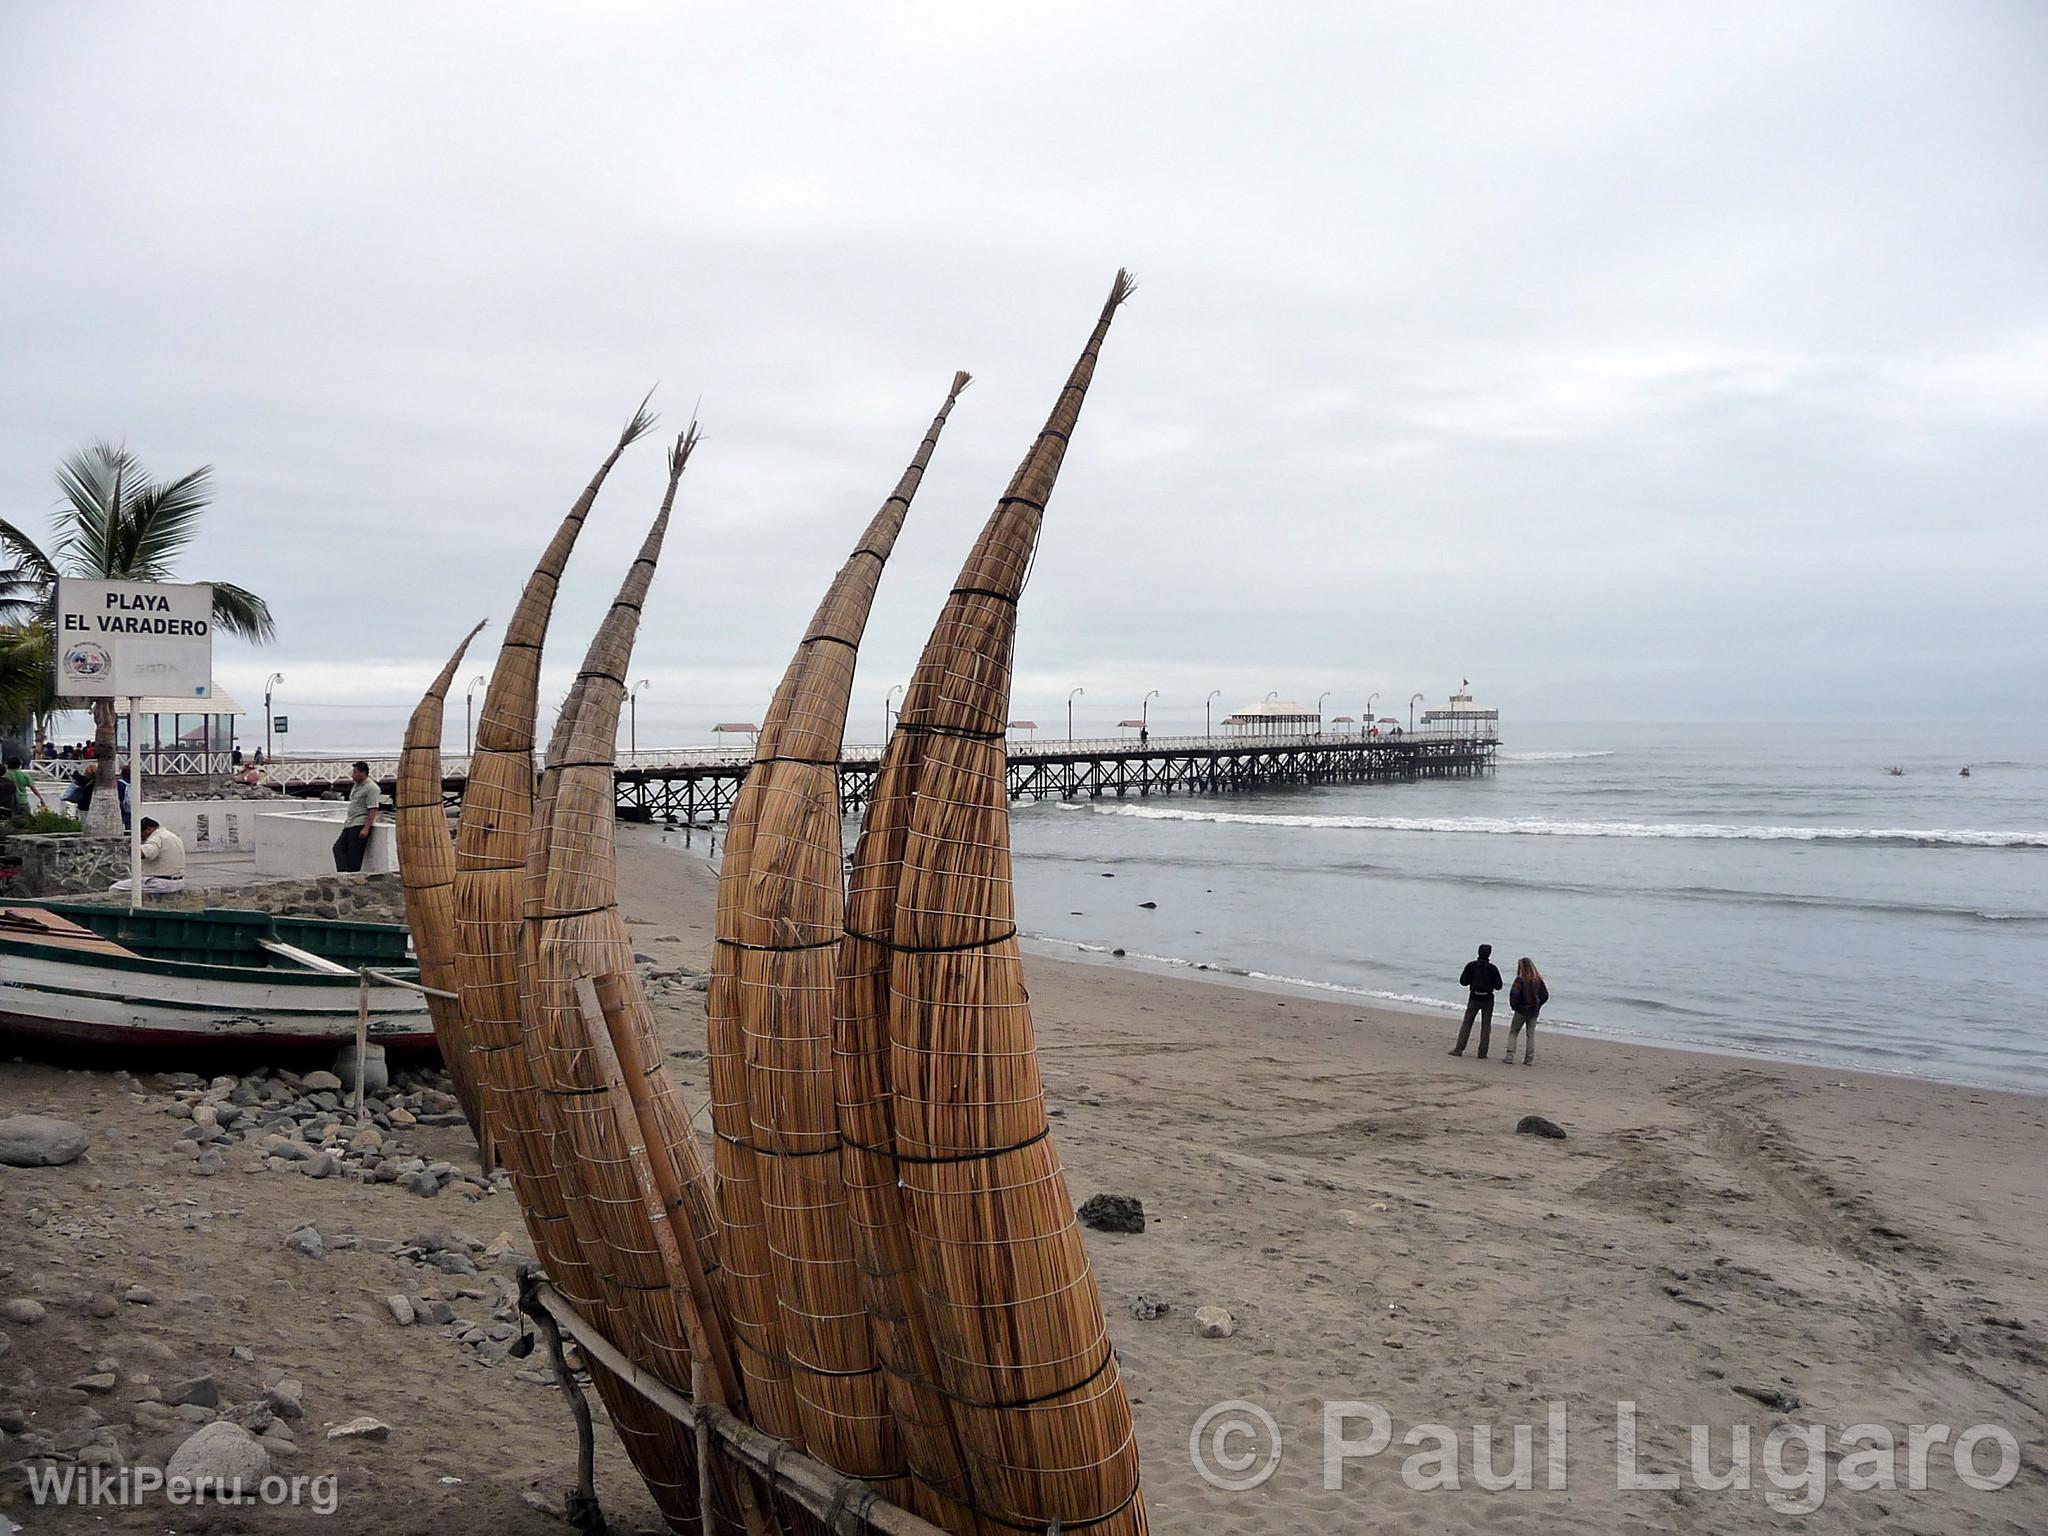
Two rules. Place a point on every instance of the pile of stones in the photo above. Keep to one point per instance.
(305, 1124)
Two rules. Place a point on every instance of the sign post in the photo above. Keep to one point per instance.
(134, 803)
(134, 640)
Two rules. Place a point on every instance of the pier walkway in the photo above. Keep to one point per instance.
(700, 783)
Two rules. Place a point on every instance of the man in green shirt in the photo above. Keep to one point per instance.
(24, 786)
(354, 841)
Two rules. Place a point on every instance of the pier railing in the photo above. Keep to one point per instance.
(700, 783)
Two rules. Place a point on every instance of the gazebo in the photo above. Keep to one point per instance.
(190, 737)
(1461, 717)
(1275, 717)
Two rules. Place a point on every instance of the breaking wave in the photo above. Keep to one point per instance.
(1933, 837)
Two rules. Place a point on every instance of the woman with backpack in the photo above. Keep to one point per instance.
(1526, 997)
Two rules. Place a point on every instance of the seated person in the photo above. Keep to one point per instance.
(163, 860)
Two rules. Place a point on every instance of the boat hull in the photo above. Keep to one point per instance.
(101, 1000)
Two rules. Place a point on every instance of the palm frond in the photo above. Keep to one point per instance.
(26, 673)
(157, 522)
(241, 612)
(28, 576)
(94, 482)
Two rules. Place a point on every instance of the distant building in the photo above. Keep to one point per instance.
(191, 737)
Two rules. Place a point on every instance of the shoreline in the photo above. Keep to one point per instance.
(1089, 956)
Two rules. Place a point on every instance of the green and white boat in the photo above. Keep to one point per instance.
(81, 973)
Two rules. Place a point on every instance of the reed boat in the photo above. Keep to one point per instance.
(83, 974)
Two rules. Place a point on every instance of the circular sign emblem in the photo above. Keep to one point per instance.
(87, 660)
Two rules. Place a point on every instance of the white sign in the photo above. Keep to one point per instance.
(134, 639)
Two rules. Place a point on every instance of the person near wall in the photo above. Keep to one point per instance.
(354, 841)
(163, 860)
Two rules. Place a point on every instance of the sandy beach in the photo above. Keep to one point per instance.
(1719, 1243)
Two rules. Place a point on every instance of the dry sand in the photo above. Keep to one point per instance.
(1360, 1202)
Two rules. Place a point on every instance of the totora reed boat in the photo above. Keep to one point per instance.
(84, 974)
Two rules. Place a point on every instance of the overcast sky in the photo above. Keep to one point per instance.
(1654, 361)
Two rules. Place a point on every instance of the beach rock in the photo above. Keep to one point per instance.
(321, 1082)
(22, 1311)
(139, 1295)
(40, 1141)
(1778, 1399)
(1149, 906)
(1536, 1125)
(1214, 1322)
(202, 1390)
(1114, 1213)
(364, 1428)
(320, 1165)
(99, 1383)
(103, 1305)
(307, 1240)
(1145, 1308)
(376, 1074)
(209, 1163)
(1118, 953)
(424, 1184)
(222, 1454)
(287, 1398)
(401, 1311)
(243, 1353)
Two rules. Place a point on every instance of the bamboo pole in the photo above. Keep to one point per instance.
(799, 1311)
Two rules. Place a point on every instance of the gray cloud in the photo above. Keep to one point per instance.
(1647, 362)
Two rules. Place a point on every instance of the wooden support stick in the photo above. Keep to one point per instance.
(840, 1502)
(362, 1038)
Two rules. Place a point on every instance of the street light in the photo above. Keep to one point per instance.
(269, 683)
(1367, 721)
(468, 713)
(1411, 712)
(1145, 715)
(1070, 713)
(885, 711)
(1214, 694)
(633, 715)
(1319, 711)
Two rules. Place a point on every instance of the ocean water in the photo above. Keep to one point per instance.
(1766, 891)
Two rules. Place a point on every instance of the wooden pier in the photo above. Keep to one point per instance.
(699, 784)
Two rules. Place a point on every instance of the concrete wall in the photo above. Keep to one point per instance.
(209, 826)
(298, 844)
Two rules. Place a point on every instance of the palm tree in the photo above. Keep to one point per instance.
(115, 523)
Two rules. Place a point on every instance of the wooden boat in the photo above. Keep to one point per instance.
(85, 974)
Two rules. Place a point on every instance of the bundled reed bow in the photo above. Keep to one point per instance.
(492, 833)
(426, 873)
(987, 1310)
(799, 1312)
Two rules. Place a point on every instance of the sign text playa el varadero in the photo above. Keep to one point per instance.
(154, 617)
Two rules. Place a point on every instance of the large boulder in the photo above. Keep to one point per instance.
(39, 1141)
(220, 1456)
(376, 1074)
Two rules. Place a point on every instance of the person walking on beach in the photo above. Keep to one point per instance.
(354, 841)
(1481, 979)
(1526, 997)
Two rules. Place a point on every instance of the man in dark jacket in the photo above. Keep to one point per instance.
(1481, 979)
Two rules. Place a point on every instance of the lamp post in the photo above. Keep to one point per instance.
(269, 683)
(1214, 694)
(1411, 712)
(885, 711)
(1070, 713)
(1319, 711)
(633, 715)
(1145, 716)
(1365, 724)
(469, 715)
